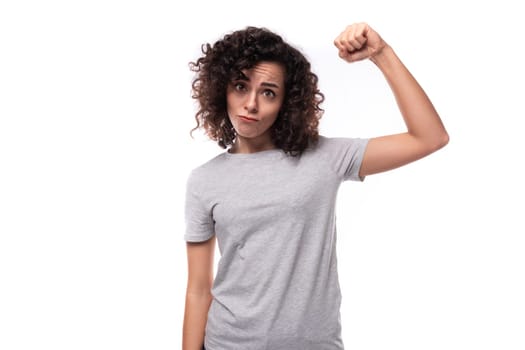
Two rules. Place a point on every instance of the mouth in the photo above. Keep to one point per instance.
(248, 119)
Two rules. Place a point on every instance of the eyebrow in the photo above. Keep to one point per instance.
(270, 85)
(242, 76)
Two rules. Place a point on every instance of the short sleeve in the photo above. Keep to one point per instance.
(198, 217)
(345, 155)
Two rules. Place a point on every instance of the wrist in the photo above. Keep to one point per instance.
(384, 57)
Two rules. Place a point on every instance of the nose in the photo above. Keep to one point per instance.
(251, 103)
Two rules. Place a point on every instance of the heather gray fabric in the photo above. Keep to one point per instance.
(276, 285)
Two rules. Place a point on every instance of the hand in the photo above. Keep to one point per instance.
(358, 42)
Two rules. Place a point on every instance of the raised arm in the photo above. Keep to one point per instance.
(425, 131)
(198, 293)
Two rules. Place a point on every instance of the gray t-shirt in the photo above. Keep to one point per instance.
(276, 285)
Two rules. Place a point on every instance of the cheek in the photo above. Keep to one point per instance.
(272, 110)
(275, 113)
(231, 102)
(230, 112)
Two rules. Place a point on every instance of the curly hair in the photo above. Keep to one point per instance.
(296, 126)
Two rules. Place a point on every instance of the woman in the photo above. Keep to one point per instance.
(269, 199)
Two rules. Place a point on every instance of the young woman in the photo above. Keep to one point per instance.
(269, 199)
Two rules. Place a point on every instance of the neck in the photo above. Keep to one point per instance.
(243, 145)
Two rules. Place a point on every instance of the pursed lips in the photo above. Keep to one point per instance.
(243, 117)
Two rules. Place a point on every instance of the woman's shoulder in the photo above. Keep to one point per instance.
(206, 169)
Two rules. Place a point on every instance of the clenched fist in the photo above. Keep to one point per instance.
(358, 42)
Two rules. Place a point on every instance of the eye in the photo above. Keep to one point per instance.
(269, 93)
(239, 86)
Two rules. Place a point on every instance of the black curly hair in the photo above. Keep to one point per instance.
(296, 126)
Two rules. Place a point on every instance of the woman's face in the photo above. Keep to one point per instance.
(254, 101)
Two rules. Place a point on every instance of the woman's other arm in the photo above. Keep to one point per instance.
(198, 293)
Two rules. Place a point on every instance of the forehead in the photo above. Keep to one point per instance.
(266, 72)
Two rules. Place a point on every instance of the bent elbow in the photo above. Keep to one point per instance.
(445, 138)
(438, 143)
(442, 141)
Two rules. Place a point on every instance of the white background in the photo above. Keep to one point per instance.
(95, 113)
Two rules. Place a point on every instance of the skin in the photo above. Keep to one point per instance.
(425, 134)
(198, 293)
(253, 103)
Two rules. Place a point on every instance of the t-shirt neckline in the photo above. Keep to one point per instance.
(258, 154)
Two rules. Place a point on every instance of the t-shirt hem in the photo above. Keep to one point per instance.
(193, 238)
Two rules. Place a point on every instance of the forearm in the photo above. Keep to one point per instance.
(195, 317)
(421, 119)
